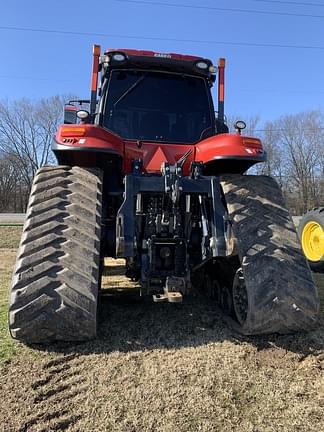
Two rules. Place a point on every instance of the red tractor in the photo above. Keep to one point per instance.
(149, 174)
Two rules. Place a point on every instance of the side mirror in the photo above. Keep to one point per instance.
(70, 114)
(239, 126)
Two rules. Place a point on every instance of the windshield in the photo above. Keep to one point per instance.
(156, 106)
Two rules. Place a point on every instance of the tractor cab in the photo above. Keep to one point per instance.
(149, 96)
(155, 108)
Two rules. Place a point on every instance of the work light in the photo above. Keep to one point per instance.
(202, 65)
(119, 57)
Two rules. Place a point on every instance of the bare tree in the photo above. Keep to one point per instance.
(8, 179)
(26, 132)
(295, 156)
(13, 191)
(301, 140)
(270, 141)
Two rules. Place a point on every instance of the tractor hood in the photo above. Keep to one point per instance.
(222, 147)
(153, 154)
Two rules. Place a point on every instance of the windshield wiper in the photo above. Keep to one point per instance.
(130, 89)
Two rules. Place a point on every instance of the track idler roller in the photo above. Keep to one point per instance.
(219, 292)
(240, 297)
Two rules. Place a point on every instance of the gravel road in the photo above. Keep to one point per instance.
(12, 218)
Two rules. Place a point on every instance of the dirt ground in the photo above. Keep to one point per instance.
(164, 367)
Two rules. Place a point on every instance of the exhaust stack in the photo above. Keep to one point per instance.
(221, 92)
(94, 80)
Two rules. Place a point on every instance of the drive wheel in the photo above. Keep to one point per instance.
(56, 280)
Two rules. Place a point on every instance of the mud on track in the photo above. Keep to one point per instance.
(165, 367)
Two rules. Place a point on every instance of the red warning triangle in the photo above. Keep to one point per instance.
(154, 165)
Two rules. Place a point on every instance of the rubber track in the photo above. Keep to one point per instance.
(54, 292)
(281, 293)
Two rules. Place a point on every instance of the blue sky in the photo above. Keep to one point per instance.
(269, 81)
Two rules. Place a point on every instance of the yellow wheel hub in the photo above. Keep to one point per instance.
(313, 241)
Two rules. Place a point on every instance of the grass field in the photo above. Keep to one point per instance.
(159, 368)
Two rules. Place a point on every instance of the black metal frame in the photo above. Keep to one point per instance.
(172, 184)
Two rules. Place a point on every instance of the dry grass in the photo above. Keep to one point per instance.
(10, 237)
(7, 258)
(165, 368)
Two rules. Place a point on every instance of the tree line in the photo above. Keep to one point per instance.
(26, 132)
(295, 156)
(294, 145)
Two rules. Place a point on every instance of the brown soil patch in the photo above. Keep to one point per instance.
(165, 367)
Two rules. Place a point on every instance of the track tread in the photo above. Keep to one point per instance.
(54, 293)
(282, 295)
